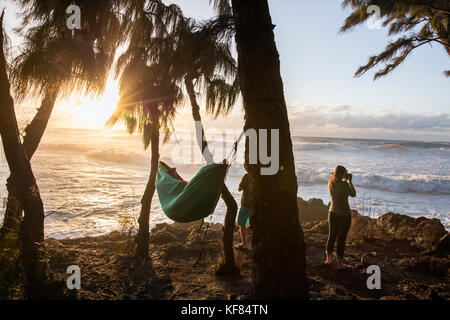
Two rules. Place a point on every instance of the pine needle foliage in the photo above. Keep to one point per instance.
(415, 23)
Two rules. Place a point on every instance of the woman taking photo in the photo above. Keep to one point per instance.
(340, 187)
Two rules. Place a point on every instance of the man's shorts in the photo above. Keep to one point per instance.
(243, 216)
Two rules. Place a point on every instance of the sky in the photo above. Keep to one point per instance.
(317, 66)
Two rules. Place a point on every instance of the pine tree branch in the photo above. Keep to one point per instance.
(428, 5)
(387, 55)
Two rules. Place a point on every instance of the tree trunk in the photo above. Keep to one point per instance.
(36, 128)
(229, 267)
(34, 132)
(23, 187)
(278, 243)
(142, 237)
(13, 215)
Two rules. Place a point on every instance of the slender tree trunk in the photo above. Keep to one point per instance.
(142, 237)
(278, 244)
(34, 132)
(23, 187)
(13, 214)
(229, 267)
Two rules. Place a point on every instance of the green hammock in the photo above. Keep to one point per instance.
(186, 202)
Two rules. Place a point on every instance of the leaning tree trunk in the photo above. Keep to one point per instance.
(142, 237)
(278, 243)
(25, 188)
(34, 132)
(228, 268)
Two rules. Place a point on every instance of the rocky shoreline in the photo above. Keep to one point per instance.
(413, 256)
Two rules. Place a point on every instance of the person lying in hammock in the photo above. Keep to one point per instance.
(172, 172)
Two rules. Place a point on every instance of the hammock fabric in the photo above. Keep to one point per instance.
(184, 201)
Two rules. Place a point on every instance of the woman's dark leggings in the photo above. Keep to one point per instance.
(338, 226)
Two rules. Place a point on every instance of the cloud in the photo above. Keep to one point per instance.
(345, 121)
(341, 108)
(345, 117)
(293, 104)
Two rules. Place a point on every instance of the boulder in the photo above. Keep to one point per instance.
(426, 265)
(163, 236)
(320, 227)
(443, 246)
(432, 295)
(165, 233)
(421, 232)
(371, 258)
(392, 298)
(311, 210)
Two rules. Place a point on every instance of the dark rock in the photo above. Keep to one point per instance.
(391, 298)
(422, 232)
(443, 246)
(368, 259)
(444, 243)
(320, 227)
(311, 210)
(426, 265)
(163, 237)
(432, 295)
(188, 225)
(410, 296)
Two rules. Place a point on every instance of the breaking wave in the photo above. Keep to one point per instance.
(415, 183)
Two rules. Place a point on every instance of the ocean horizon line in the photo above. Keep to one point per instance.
(292, 135)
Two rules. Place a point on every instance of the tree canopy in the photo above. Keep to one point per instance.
(414, 22)
(147, 87)
(53, 57)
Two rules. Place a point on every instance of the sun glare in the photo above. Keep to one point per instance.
(84, 112)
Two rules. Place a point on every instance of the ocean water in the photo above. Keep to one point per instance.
(90, 178)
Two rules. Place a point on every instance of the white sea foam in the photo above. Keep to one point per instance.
(401, 184)
(392, 147)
